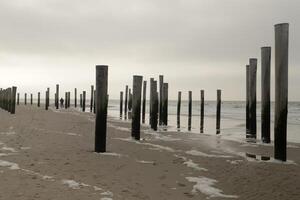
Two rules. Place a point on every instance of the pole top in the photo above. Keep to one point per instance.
(266, 47)
(102, 67)
(281, 24)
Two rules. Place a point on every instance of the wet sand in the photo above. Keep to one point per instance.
(49, 155)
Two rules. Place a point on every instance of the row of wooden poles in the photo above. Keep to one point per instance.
(281, 93)
(8, 99)
(158, 112)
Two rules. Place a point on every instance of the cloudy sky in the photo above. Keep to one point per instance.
(196, 44)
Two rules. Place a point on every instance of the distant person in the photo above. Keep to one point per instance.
(61, 102)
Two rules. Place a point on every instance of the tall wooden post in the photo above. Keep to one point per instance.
(178, 109)
(92, 98)
(66, 100)
(83, 100)
(75, 97)
(39, 99)
(202, 112)
(150, 99)
(190, 111)
(13, 102)
(25, 99)
(154, 106)
(281, 89)
(252, 97)
(94, 101)
(80, 100)
(18, 99)
(9, 99)
(265, 94)
(218, 127)
(126, 101)
(46, 97)
(101, 108)
(121, 105)
(57, 96)
(165, 104)
(130, 101)
(69, 99)
(161, 83)
(144, 101)
(31, 99)
(136, 106)
(248, 101)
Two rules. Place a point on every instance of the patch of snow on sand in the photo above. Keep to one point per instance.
(189, 163)
(9, 149)
(25, 148)
(72, 184)
(205, 186)
(73, 134)
(234, 162)
(199, 153)
(10, 165)
(110, 154)
(145, 162)
(106, 198)
(107, 193)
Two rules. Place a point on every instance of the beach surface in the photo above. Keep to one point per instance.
(49, 155)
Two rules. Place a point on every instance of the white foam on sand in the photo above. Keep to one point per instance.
(9, 149)
(189, 163)
(118, 127)
(107, 193)
(10, 165)
(73, 134)
(145, 162)
(25, 148)
(44, 177)
(71, 184)
(158, 136)
(106, 198)
(234, 162)
(110, 154)
(199, 153)
(206, 186)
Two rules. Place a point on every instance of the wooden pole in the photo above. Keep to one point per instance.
(161, 83)
(165, 104)
(18, 99)
(178, 109)
(75, 97)
(101, 108)
(281, 89)
(94, 101)
(202, 112)
(265, 94)
(46, 96)
(92, 98)
(218, 127)
(25, 99)
(252, 97)
(247, 101)
(190, 112)
(144, 101)
(31, 101)
(126, 99)
(83, 101)
(150, 99)
(9, 99)
(13, 103)
(66, 100)
(121, 105)
(136, 106)
(69, 99)
(130, 101)
(154, 106)
(39, 99)
(57, 96)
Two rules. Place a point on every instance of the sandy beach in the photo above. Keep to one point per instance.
(49, 155)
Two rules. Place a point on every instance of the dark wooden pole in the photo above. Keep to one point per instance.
(247, 102)
(92, 98)
(75, 97)
(31, 101)
(66, 100)
(83, 100)
(265, 94)
(126, 100)
(178, 109)
(252, 97)
(57, 96)
(190, 111)
(165, 104)
(94, 101)
(9, 99)
(69, 99)
(150, 99)
(13, 103)
(130, 101)
(39, 99)
(154, 106)
(161, 83)
(144, 101)
(281, 89)
(101, 108)
(121, 105)
(46, 96)
(202, 112)
(136, 106)
(18, 99)
(218, 127)
(25, 100)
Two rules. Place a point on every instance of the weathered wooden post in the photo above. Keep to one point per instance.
(121, 104)
(46, 104)
(161, 83)
(252, 97)
(9, 99)
(136, 106)
(13, 102)
(92, 98)
(154, 106)
(94, 101)
(218, 127)
(190, 111)
(48, 98)
(39, 99)
(126, 99)
(165, 104)
(144, 101)
(80, 100)
(18, 99)
(178, 109)
(31, 99)
(150, 99)
(57, 96)
(66, 100)
(130, 101)
(265, 94)
(25, 99)
(75, 97)
(202, 112)
(281, 89)
(83, 101)
(69, 99)
(101, 108)
(247, 101)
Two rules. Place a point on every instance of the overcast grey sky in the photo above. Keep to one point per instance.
(196, 44)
